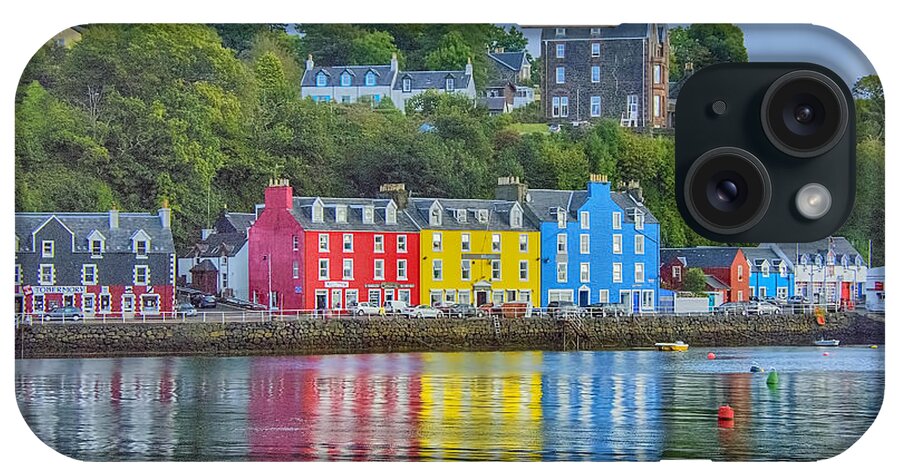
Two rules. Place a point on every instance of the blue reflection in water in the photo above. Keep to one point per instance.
(622, 405)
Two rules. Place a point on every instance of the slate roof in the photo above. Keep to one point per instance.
(384, 76)
(302, 212)
(219, 244)
(840, 246)
(495, 103)
(498, 214)
(625, 30)
(543, 202)
(512, 60)
(701, 256)
(205, 265)
(715, 283)
(756, 254)
(432, 79)
(235, 222)
(82, 224)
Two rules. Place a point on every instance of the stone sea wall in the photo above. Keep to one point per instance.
(329, 336)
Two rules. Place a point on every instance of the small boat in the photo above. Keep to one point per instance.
(827, 343)
(677, 346)
(756, 368)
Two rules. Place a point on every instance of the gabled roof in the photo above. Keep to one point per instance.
(118, 240)
(384, 76)
(220, 244)
(758, 253)
(838, 244)
(205, 265)
(715, 283)
(302, 212)
(230, 222)
(498, 214)
(543, 204)
(701, 256)
(513, 60)
(420, 80)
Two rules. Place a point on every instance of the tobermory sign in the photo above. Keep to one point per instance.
(388, 285)
(481, 255)
(57, 289)
(336, 284)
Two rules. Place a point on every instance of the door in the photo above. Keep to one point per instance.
(336, 298)
(636, 301)
(632, 106)
(481, 298)
(321, 300)
(584, 297)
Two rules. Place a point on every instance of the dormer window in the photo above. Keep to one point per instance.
(844, 260)
(370, 78)
(47, 249)
(340, 214)
(560, 32)
(461, 215)
(804, 260)
(818, 260)
(434, 215)
(96, 243)
(390, 214)
(515, 218)
(407, 85)
(368, 214)
(318, 212)
(859, 260)
(345, 79)
(765, 268)
(96, 247)
(561, 217)
(449, 84)
(140, 247)
(321, 79)
(782, 270)
(830, 258)
(639, 220)
(482, 216)
(595, 31)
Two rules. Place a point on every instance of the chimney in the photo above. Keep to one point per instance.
(279, 195)
(397, 192)
(510, 188)
(634, 189)
(469, 67)
(598, 185)
(165, 217)
(395, 65)
(309, 63)
(204, 233)
(113, 219)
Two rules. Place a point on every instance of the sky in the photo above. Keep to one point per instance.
(785, 42)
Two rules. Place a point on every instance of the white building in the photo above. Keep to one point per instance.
(222, 249)
(824, 267)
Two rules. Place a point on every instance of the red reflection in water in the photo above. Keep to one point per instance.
(733, 439)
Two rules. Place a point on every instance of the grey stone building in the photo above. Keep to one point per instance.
(618, 72)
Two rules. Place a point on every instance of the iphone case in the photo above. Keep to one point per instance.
(421, 242)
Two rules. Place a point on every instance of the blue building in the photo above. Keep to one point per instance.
(597, 245)
(770, 273)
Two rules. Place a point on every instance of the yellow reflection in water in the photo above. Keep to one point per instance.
(481, 406)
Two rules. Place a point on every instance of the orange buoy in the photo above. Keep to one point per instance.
(726, 412)
(820, 316)
(711, 356)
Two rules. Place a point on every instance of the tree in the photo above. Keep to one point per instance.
(240, 36)
(375, 47)
(704, 45)
(452, 53)
(508, 40)
(869, 96)
(694, 281)
(329, 44)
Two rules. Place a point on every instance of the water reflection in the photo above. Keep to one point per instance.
(454, 406)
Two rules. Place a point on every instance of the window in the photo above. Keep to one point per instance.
(47, 275)
(141, 275)
(47, 249)
(466, 242)
(18, 274)
(347, 272)
(340, 214)
(639, 221)
(617, 221)
(560, 75)
(140, 247)
(498, 297)
(585, 272)
(555, 110)
(434, 297)
(466, 270)
(765, 269)
(639, 272)
(617, 272)
(368, 215)
(87, 303)
(495, 242)
(782, 292)
(465, 297)
(379, 243)
(495, 270)
(595, 74)
(740, 272)
(436, 242)
(323, 269)
(560, 50)
(128, 303)
(345, 79)
(523, 243)
(96, 247)
(676, 273)
(617, 244)
(318, 213)
(370, 79)
(451, 295)
(740, 296)
(295, 241)
(374, 296)
(296, 269)
(449, 84)
(595, 106)
(515, 218)
(321, 79)
(460, 214)
(481, 216)
(351, 296)
(323, 242)
(523, 270)
(401, 270)
(407, 85)
(604, 295)
(561, 220)
(401, 243)
(560, 32)
(348, 242)
(105, 303)
(657, 74)
(89, 274)
(564, 106)
(647, 299)
(782, 270)
(595, 31)
(345, 99)
(379, 269)
(437, 270)
(595, 50)
(657, 105)
(390, 215)
(562, 272)
(761, 292)
(562, 243)
(638, 244)
(585, 244)
(584, 218)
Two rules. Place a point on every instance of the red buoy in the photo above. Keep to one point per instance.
(710, 356)
(726, 412)
(826, 354)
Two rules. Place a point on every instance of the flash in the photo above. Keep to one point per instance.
(813, 201)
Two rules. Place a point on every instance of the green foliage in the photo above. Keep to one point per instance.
(508, 40)
(703, 45)
(694, 281)
(375, 47)
(869, 96)
(452, 53)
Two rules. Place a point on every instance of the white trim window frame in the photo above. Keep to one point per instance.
(141, 275)
(48, 249)
(47, 274)
(85, 275)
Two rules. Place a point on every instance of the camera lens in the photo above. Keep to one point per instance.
(727, 190)
(804, 113)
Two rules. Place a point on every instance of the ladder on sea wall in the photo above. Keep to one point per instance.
(496, 320)
(575, 324)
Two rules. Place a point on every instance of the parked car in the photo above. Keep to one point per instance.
(764, 307)
(424, 310)
(488, 309)
(564, 308)
(64, 313)
(776, 300)
(185, 310)
(730, 308)
(443, 306)
(203, 301)
(366, 309)
(798, 303)
(395, 307)
(461, 310)
(608, 309)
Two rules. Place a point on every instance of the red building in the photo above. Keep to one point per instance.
(318, 252)
(726, 268)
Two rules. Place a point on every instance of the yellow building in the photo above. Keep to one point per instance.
(477, 251)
